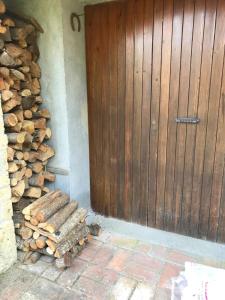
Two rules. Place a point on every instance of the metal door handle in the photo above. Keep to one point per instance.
(191, 120)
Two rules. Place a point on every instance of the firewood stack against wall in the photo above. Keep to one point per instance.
(25, 118)
(46, 222)
(54, 226)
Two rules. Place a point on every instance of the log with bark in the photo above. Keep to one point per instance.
(47, 211)
(59, 218)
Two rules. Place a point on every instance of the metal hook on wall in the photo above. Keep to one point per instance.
(77, 17)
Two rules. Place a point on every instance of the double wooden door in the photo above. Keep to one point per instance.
(156, 101)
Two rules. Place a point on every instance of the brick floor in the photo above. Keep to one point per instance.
(111, 267)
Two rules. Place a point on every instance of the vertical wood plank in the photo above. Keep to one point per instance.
(113, 94)
(138, 81)
(105, 200)
(202, 112)
(163, 111)
(221, 222)
(147, 91)
(218, 170)
(183, 108)
(192, 110)
(129, 107)
(121, 54)
(173, 108)
(91, 21)
(154, 128)
(214, 97)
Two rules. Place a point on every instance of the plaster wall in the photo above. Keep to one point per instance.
(75, 78)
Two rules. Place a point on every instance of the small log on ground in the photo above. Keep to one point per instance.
(95, 229)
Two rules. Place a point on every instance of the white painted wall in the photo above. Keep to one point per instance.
(64, 88)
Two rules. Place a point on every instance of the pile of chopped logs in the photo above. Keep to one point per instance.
(54, 226)
(24, 119)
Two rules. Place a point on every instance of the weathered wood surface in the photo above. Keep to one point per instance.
(167, 62)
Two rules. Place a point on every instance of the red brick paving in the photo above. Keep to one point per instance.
(108, 265)
(179, 257)
(119, 260)
(169, 271)
(92, 289)
(106, 276)
(70, 275)
(103, 256)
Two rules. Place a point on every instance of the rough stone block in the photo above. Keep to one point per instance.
(91, 289)
(3, 140)
(4, 180)
(52, 273)
(68, 277)
(8, 253)
(37, 268)
(15, 285)
(105, 276)
(5, 204)
(3, 159)
(44, 289)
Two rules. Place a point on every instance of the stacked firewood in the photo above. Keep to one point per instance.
(54, 226)
(24, 119)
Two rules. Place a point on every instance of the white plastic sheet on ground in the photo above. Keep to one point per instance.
(199, 282)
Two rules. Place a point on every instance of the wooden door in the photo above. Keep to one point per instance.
(149, 64)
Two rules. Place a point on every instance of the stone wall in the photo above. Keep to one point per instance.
(7, 236)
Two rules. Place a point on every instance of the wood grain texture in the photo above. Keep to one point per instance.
(148, 63)
(207, 52)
